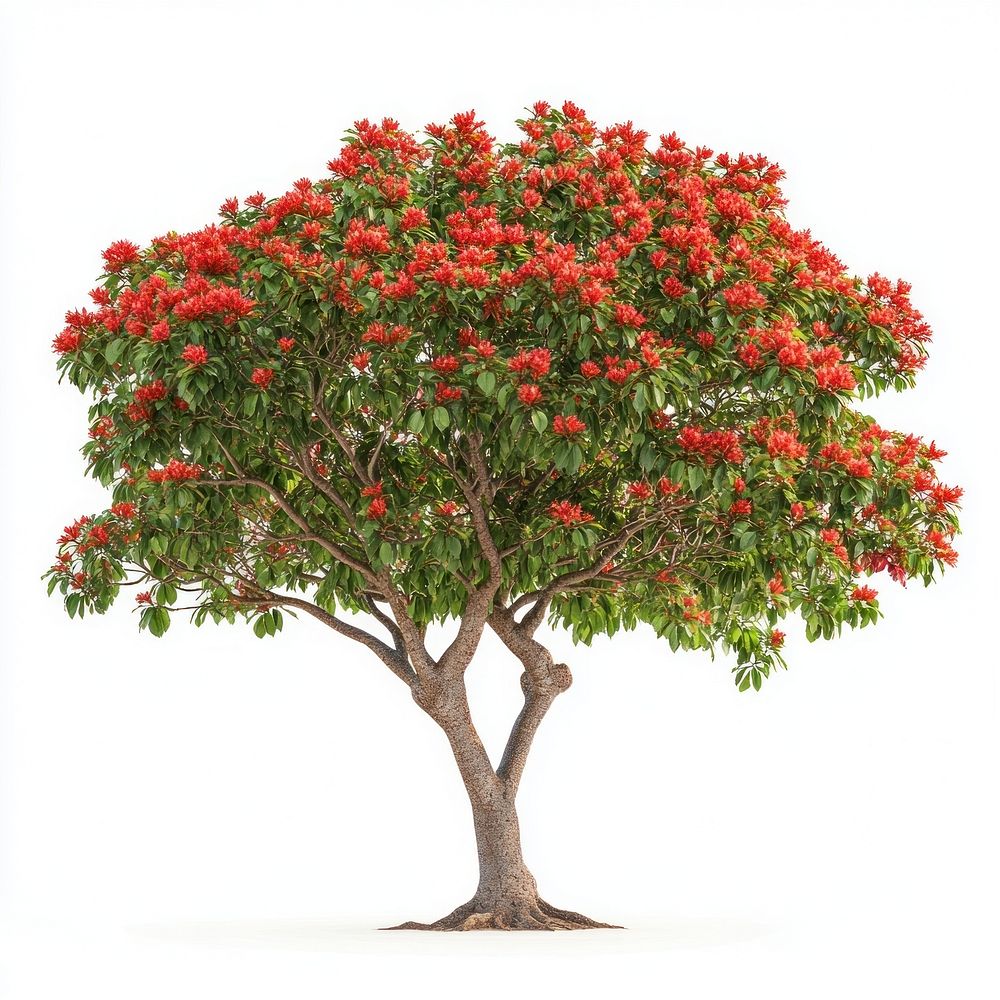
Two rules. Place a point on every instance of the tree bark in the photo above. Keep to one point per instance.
(506, 897)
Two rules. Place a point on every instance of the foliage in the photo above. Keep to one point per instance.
(619, 371)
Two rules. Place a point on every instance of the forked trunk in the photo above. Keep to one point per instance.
(507, 896)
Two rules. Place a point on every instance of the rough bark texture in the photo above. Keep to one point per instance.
(507, 896)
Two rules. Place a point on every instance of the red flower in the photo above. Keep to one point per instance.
(361, 360)
(413, 218)
(529, 394)
(776, 639)
(444, 393)
(743, 295)
(159, 332)
(262, 377)
(377, 509)
(786, 445)
(150, 392)
(797, 511)
(285, 344)
(97, 536)
(568, 513)
(535, 362)
(174, 471)
(144, 598)
(626, 315)
(68, 340)
(864, 594)
(195, 354)
(590, 370)
(567, 426)
(776, 584)
(120, 255)
(445, 364)
(640, 491)
(739, 508)
(446, 509)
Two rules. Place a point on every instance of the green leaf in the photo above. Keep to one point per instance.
(540, 420)
(487, 382)
(441, 417)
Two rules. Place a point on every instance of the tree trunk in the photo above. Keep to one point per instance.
(507, 896)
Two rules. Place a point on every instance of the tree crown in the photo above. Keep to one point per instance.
(583, 374)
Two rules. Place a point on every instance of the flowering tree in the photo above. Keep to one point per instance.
(566, 379)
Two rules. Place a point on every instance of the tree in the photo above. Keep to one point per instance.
(566, 379)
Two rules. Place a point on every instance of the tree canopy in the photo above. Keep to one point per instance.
(584, 375)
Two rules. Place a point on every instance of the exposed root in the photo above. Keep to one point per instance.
(532, 915)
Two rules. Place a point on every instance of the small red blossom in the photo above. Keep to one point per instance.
(195, 354)
(377, 509)
(174, 471)
(120, 255)
(67, 341)
(444, 393)
(864, 594)
(445, 364)
(412, 218)
(776, 639)
(529, 394)
(568, 426)
(568, 513)
(144, 598)
(285, 344)
(262, 377)
(743, 296)
(534, 363)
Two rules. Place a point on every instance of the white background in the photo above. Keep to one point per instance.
(213, 816)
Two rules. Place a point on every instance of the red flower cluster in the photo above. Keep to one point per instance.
(529, 394)
(120, 255)
(195, 354)
(445, 364)
(444, 393)
(379, 333)
(711, 445)
(568, 513)
(835, 453)
(534, 363)
(262, 377)
(744, 296)
(175, 471)
(568, 426)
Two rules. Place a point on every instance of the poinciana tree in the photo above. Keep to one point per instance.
(566, 379)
